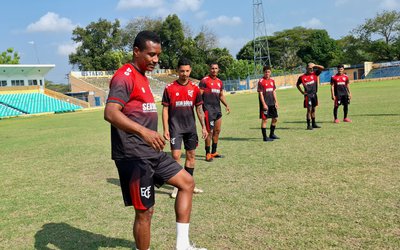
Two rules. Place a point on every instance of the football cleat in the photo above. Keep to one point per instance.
(274, 137)
(174, 193)
(346, 120)
(336, 121)
(209, 157)
(216, 155)
(197, 190)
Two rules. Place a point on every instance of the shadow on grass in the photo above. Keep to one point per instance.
(114, 181)
(377, 115)
(279, 128)
(63, 236)
(237, 139)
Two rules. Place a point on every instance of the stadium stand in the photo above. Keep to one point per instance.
(6, 111)
(97, 83)
(34, 103)
(383, 72)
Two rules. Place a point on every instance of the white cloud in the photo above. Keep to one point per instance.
(67, 48)
(130, 4)
(233, 44)
(183, 5)
(341, 2)
(201, 14)
(312, 23)
(224, 20)
(390, 4)
(51, 22)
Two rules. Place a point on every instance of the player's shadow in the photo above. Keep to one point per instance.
(237, 139)
(63, 236)
(114, 181)
(377, 115)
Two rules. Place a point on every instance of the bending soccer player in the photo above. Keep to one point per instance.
(340, 93)
(137, 147)
(179, 99)
(211, 88)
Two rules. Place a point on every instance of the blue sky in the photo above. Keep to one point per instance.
(41, 30)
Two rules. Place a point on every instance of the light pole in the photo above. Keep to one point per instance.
(36, 53)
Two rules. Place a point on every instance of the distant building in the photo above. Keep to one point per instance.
(13, 75)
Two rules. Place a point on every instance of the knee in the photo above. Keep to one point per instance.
(216, 131)
(144, 216)
(188, 184)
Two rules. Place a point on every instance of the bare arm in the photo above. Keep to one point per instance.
(200, 117)
(223, 100)
(276, 100)
(165, 117)
(332, 92)
(299, 88)
(114, 115)
(261, 96)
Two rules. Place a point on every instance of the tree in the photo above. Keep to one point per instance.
(321, 49)
(135, 26)
(172, 40)
(100, 48)
(9, 57)
(385, 28)
(353, 50)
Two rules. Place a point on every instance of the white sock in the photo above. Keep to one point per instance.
(182, 236)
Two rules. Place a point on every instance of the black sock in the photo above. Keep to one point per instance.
(308, 122)
(214, 148)
(313, 121)
(345, 110)
(189, 170)
(271, 130)
(207, 149)
(335, 112)
(264, 132)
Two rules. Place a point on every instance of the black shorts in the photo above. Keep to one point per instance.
(139, 176)
(310, 101)
(190, 140)
(272, 112)
(342, 100)
(210, 118)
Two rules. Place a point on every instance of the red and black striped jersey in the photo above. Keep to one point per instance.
(131, 89)
(211, 96)
(267, 87)
(181, 100)
(340, 83)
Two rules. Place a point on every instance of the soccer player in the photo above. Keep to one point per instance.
(340, 93)
(268, 104)
(211, 88)
(137, 147)
(179, 99)
(309, 80)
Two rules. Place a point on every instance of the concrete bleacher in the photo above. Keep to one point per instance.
(32, 103)
(384, 72)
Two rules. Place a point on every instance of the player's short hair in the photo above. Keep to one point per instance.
(340, 66)
(213, 63)
(266, 67)
(184, 61)
(143, 36)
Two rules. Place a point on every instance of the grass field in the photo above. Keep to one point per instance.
(337, 187)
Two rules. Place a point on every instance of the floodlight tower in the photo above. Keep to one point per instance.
(260, 41)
